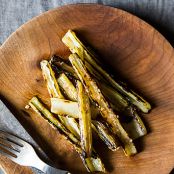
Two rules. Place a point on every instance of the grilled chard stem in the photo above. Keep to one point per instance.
(75, 45)
(131, 121)
(93, 163)
(71, 92)
(103, 132)
(64, 107)
(84, 119)
(118, 101)
(63, 66)
(69, 108)
(49, 77)
(54, 91)
(72, 125)
(67, 86)
(106, 111)
(38, 106)
(135, 126)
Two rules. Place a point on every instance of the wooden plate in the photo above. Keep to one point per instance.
(129, 46)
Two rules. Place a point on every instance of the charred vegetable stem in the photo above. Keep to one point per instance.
(114, 97)
(105, 110)
(75, 45)
(63, 66)
(71, 92)
(71, 125)
(49, 76)
(67, 86)
(84, 119)
(105, 135)
(135, 126)
(101, 130)
(38, 106)
(93, 163)
(64, 107)
(54, 91)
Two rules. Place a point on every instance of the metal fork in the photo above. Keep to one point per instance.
(23, 153)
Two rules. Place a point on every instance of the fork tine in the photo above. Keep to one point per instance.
(9, 144)
(7, 153)
(11, 151)
(12, 138)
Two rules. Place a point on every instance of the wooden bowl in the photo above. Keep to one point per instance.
(129, 46)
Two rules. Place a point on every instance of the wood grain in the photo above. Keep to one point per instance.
(129, 46)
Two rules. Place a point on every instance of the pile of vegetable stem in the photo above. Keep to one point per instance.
(86, 100)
